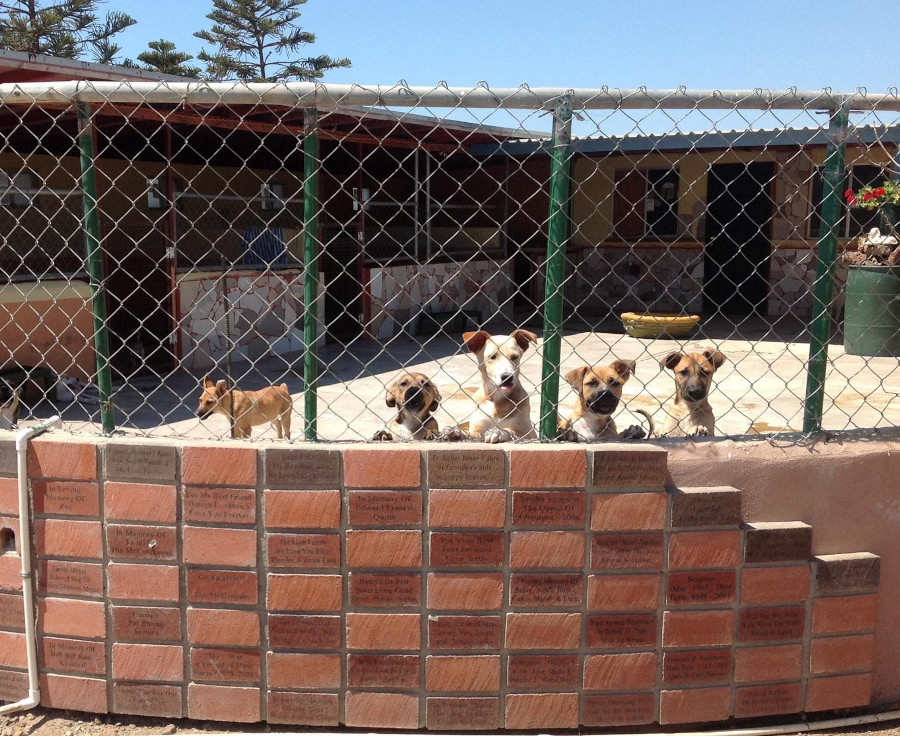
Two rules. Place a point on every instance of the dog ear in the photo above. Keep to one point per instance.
(206, 382)
(389, 397)
(523, 337)
(625, 368)
(575, 376)
(221, 387)
(475, 340)
(433, 393)
(714, 357)
(670, 361)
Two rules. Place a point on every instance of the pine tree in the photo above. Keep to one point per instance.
(254, 39)
(65, 28)
(162, 57)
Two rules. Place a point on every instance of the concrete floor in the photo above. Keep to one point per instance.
(758, 390)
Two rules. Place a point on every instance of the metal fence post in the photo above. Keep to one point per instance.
(820, 325)
(557, 230)
(310, 271)
(95, 264)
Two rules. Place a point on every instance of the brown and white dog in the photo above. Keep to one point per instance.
(689, 413)
(272, 404)
(503, 412)
(416, 398)
(599, 390)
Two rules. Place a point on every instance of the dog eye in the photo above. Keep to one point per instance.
(592, 383)
(492, 357)
(613, 383)
(704, 373)
(684, 372)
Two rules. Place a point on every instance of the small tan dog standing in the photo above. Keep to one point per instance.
(417, 398)
(503, 407)
(599, 390)
(689, 413)
(251, 408)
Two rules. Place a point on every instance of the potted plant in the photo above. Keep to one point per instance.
(872, 310)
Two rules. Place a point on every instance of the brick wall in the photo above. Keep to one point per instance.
(446, 587)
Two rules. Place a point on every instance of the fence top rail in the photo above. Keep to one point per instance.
(328, 96)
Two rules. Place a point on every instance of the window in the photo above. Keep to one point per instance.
(11, 189)
(272, 195)
(854, 220)
(645, 204)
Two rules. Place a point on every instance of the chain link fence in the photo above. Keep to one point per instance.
(337, 238)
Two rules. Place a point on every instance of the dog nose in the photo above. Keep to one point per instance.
(506, 377)
(695, 393)
(413, 395)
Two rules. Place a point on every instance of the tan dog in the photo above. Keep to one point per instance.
(599, 390)
(417, 399)
(272, 404)
(503, 405)
(689, 413)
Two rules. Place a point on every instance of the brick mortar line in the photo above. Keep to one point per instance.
(262, 583)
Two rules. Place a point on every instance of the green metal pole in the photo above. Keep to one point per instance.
(310, 271)
(820, 326)
(557, 231)
(95, 264)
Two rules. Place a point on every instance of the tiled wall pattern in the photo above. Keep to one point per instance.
(444, 587)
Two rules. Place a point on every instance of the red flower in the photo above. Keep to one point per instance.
(850, 196)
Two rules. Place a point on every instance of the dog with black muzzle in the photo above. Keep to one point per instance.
(416, 398)
(599, 390)
(689, 414)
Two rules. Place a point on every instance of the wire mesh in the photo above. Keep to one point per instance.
(687, 210)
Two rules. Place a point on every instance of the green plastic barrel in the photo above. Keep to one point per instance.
(872, 311)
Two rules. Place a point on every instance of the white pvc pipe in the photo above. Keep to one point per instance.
(34, 691)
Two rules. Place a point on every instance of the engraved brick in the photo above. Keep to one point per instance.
(12, 614)
(303, 709)
(453, 467)
(543, 630)
(542, 710)
(70, 692)
(771, 623)
(383, 670)
(69, 617)
(546, 550)
(304, 593)
(626, 468)
(705, 507)
(10, 573)
(384, 508)
(222, 628)
(706, 666)
(768, 663)
(841, 654)
(143, 582)
(303, 509)
(695, 706)
(65, 538)
(768, 700)
(398, 548)
(144, 699)
(558, 509)
(70, 578)
(388, 467)
(222, 703)
(12, 650)
(9, 497)
(384, 631)
(139, 461)
(464, 632)
(462, 714)
(311, 551)
(623, 512)
(228, 465)
(466, 549)
(701, 588)
(628, 671)
(477, 673)
(467, 509)
(704, 549)
(141, 542)
(624, 592)
(228, 547)
(302, 468)
(627, 551)
(140, 502)
(775, 584)
(543, 671)
(49, 457)
(619, 710)
(146, 623)
(398, 590)
(68, 497)
(303, 671)
(782, 541)
(225, 665)
(13, 686)
(381, 710)
(156, 662)
(547, 468)
(842, 691)
(465, 591)
(622, 630)
(304, 632)
(219, 505)
(847, 573)
(844, 614)
(697, 628)
(545, 590)
(222, 586)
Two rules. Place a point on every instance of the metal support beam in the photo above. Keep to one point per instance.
(310, 272)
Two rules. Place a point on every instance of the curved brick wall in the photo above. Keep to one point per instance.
(408, 587)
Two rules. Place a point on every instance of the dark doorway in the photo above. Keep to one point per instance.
(738, 238)
(342, 267)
